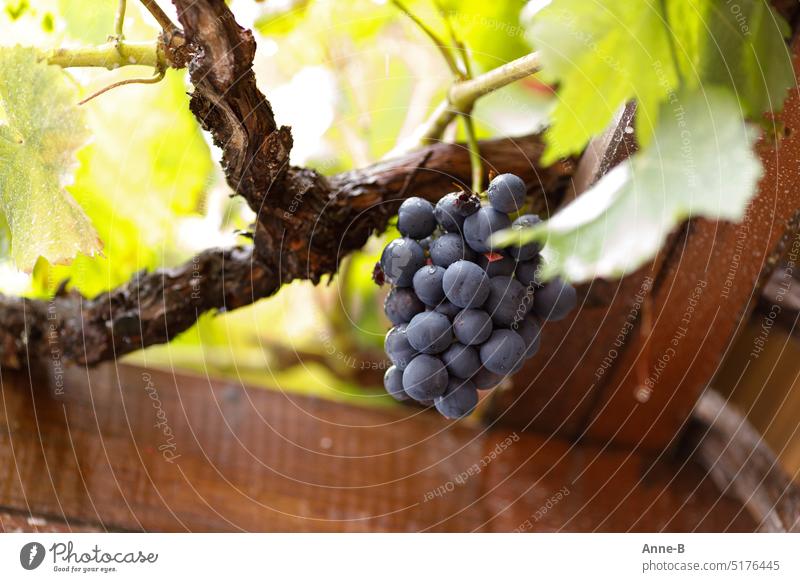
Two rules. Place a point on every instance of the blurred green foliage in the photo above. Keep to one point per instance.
(351, 78)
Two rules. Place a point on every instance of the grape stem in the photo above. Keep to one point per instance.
(462, 96)
(161, 17)
(475, 160)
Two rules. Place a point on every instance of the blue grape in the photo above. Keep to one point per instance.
(425, 378)
(430, 332)
(397, 346)
(461, 361)
(479, 227)
(449, 248)
(503, 352)
(428, 284)
(448, 309)
(507, 301)
(529, 272)
(415, 218)
(498, 267)
(400, 260)
(555, 300)
(527, 251)
(472, 326)
(401, 305)
(459, 399)
(485, 380)
(507, 193)
(393, 382)
(466, 284)
(530, 332)
(453, 208)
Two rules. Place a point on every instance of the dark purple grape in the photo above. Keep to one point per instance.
(498, 267)
(401, 305)
(479, 227)
(530, 332)
(503, 352)
(466, 284)
(425, 378)
(485, 380)
(397, 346)
(448, 309)
(459, 399)
(461, 361)
(393, 382)
(472, 326)
(527, 251)
(529, 272)
(415, 218)
(453, 208)
(507, 193)
(430, 332)
(507, 301)
(449, 248)
(555, 300)
(428, 284)
(400, 260)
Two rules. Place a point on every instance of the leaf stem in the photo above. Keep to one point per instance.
(110, 55)
(119, 19)
(443, 49)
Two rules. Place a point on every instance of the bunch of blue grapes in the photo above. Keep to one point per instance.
(465, 314)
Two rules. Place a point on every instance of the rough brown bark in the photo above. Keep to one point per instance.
(154, 308)
(306, 222)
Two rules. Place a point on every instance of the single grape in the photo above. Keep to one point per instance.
(459, 399)
(479, 227)
(397, 346)
(449, 248)
(531, 333)
(555, 300)
(529, 272)
(485, 380)
(425, 378)
(448, 309)
(472, 326)
(453, 208)
(527, 251)
(503, 351)
(393, 382)
(415, 218)
(430, 332)
(400, 260)
(466, 284)
(507, 193)
(428, 284)
(401, 305)
(461, 361)
(507, 301)
(497, 264)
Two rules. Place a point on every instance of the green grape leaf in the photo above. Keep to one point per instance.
(603, 54)
(700, 163)
(43, 129)
(607, 52)
(744, 48)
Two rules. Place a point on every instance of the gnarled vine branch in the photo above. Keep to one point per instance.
(306, 222)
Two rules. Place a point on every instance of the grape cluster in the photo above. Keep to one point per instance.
(465, 314)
